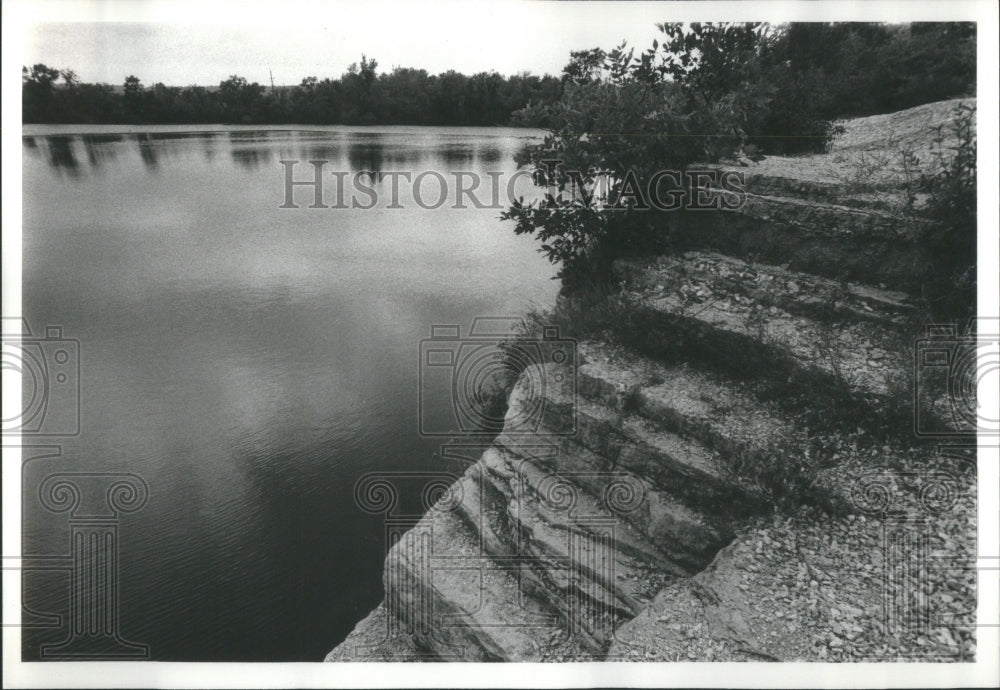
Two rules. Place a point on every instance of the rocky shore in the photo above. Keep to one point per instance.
(728, 470)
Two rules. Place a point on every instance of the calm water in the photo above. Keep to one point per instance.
(249, 363)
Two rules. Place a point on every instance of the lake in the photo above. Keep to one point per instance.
(248, 362)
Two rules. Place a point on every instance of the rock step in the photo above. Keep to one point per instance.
(670, 533)
(572, 501)
(833, 193)
(587, 567)
(681, 315)
(679, 466)
(840, 242)
(825, 216)
(774, 286)
(459, 604)
(752, 435)
(697, 404)
(618, 439)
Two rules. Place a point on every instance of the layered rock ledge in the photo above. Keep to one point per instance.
(730, 471)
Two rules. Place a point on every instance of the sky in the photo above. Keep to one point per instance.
(184, 42)
(205, 42)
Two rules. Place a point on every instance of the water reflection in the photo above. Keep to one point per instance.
(257, 150)
(251, 362)
(306, 151)
(250, 148)
(367, 158)
(62, 157)
(458, 153)
(252, 158)
(97, 150)
(489, 154)
(208, 146)
(249, 135)
(147, 150)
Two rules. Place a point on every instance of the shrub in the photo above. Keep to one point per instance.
(707, 92)
(779, 106)
(609, 138)
(950, 287)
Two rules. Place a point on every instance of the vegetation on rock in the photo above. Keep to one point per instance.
(711, 92)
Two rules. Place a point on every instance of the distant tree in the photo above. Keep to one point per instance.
(868, 68)
(241, 101)
(96, 103)
(405, 96)
(356, 89)
(38, 94)
(204, 103)
(132, 99)
(359, 88)
(164, 101)
(584, 66)
(448, 98)
(483, 105)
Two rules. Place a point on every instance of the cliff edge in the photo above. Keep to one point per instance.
(728, 469)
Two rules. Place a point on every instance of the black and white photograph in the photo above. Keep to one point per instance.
(500, 344)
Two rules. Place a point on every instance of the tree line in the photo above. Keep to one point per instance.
(807, 74)
(360, 96)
